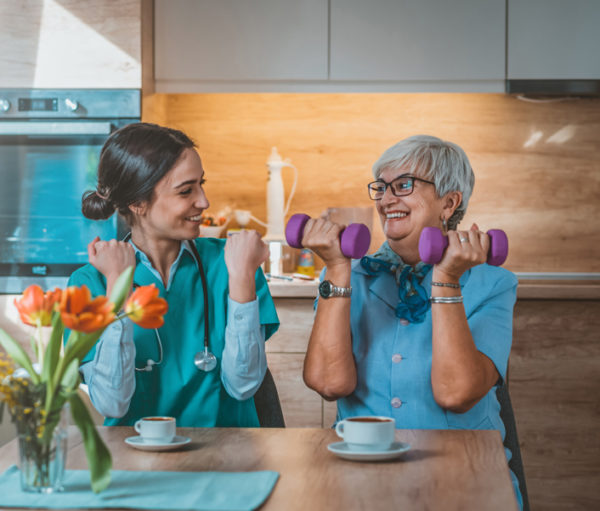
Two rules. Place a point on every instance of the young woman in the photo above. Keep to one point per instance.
(219, 302)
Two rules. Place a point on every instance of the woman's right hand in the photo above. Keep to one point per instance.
(110, 258)
(323, 238)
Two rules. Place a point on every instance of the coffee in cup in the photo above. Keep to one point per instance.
(156, 430)
(367, 433)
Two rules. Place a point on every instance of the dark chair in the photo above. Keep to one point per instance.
(511, 440)
(266, 401)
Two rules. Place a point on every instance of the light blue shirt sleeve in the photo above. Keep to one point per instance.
(244, 361)
(110, 376)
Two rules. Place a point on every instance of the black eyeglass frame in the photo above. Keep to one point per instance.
(389, 185)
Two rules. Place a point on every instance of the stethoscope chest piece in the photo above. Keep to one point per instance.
(205, 360)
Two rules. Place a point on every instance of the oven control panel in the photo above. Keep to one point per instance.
(65, 104)
(38, 104)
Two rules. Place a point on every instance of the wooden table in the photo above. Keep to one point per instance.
(445, 469)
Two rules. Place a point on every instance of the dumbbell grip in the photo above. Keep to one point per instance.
(354, 239)
(433, 243)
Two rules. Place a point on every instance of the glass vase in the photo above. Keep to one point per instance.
(42, 457)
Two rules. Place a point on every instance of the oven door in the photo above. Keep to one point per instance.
(45, 168)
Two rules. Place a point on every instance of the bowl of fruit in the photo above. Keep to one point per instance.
(212, 226)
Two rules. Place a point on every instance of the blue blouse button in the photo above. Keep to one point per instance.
(396, 403)
(396, 357)
(404, 322)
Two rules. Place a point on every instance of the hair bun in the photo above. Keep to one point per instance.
(96, 207)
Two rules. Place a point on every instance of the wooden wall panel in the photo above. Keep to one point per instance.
(70, 44)
(296, 319)
(536, 164)
(301, 406)
(554, 385)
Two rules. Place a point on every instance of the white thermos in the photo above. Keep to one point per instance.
(276, 210)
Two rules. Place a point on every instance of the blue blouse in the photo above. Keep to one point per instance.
(393, 356)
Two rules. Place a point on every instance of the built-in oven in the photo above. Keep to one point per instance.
(50, 142)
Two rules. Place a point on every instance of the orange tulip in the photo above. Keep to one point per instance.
(79, 312)
(35, 307)
(145, 308)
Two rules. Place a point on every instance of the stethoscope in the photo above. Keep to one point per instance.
(204, 360)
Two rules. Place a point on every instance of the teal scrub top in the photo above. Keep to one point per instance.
(176, 388)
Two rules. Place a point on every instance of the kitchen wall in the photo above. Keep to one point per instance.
(536, 163)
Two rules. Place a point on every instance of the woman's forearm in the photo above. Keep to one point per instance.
(329, 366)
(460, 374)
(244, 361)
(110, 376)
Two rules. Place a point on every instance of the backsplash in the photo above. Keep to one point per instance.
(536, 164)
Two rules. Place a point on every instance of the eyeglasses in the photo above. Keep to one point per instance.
(401, 186)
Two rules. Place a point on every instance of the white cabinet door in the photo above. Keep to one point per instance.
(418, 40)
(554, 39)
(203, 40)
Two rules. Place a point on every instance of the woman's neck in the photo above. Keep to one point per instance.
(161, 252)
(410, 255)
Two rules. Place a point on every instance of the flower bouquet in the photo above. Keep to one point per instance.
(38, 394)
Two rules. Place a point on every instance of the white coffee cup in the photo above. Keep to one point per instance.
(156, 430)
(367, 433)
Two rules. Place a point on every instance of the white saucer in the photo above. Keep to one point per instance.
(137, 442)
(342, 450)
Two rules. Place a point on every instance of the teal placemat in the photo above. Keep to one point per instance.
(201, 491)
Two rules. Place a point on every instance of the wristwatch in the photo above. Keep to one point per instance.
(328, 290)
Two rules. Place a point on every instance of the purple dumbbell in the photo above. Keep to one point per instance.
(432, 244)
(354, 239)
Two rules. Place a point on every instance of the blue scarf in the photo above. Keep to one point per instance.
(414, 299)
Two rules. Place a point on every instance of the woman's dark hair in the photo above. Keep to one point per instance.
(132, 161)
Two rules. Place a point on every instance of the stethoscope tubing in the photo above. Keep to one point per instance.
(196, 255)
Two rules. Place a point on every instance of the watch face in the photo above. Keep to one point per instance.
(325, 289)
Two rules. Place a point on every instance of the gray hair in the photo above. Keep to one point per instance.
(444, 163)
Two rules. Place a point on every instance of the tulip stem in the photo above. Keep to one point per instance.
(40, 350)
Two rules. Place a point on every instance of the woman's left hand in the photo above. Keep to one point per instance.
(465, 250)
(244, 253)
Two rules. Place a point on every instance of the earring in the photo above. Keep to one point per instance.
(445, 225)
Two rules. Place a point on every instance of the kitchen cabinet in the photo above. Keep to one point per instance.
(553, 40)
(70, 44)
(329, 46)
(239, 40)
(419, 41)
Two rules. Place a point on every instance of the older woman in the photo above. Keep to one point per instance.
(423, 344)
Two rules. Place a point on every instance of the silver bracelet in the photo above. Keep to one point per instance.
(446, 284)
(446, 299)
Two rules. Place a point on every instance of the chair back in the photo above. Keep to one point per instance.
(268, 407)
(511, 440)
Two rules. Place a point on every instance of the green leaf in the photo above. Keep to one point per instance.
(53, 349)
(56, 404)
(78, 346)
(33, 344)
(14, 350)
(121, 288)
(70, 378)
(98, 456)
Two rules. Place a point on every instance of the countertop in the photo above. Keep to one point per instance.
(297, 288)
